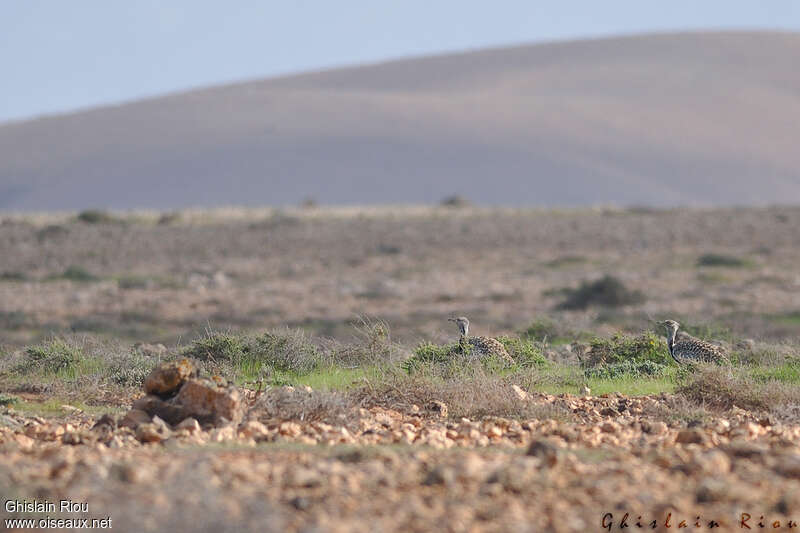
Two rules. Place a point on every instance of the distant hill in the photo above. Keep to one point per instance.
(685, 118)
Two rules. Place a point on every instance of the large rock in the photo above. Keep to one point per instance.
(167, 378)
(208, 401)
(167, 410)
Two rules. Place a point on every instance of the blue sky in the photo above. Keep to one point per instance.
(58, 56)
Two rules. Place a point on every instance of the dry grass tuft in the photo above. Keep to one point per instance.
(472, 395)
(288, 403)
(723, 388)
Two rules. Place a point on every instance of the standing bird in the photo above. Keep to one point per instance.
(691, 350)
(480, 346)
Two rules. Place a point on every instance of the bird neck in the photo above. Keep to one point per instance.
(671, 343)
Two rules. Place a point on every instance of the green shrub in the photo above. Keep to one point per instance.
(7, 400)
(630, 367)
(566, 260)
(546, 329)
(54, 356)
(79, 274)
(283, 351)
(623, 348)
(524, 352)
(721, 260)
(429, 353)
(96, 216)
(130, 369)
(447, 361)
(607, 291)
(13, 275)
(286, 350)
(541, 329)
(217, 348)
(12, 320)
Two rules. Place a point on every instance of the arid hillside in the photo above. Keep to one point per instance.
(673, 119)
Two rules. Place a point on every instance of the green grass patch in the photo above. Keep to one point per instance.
(791, 318)
(788, 372)
(53, 408)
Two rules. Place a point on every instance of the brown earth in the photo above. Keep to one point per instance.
(413, 267)
(612, 456)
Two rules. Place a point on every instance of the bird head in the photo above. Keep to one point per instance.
(670, 325)
(462, 322)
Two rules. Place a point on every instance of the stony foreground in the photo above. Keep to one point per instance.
(377, 469)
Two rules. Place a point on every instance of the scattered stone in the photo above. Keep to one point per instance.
(167, 378)
(691, 436)
(544, 450)
(134, 418)
(106, 420)
(189, 424)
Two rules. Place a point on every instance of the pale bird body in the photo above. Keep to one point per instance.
(481, 346)
(688, 349)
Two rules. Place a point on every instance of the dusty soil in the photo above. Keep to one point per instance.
(413, 267)
(612, 456)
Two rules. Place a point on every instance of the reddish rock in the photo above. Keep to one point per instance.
(208, 402)
(167, 378)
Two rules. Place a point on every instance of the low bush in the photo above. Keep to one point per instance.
(96, 216)
(7, 400)
(721, 260)
(607, 291)
(621, 348)
(642, 369)
(524, 352)
(289, 350)
(53, 356)
(79, 274)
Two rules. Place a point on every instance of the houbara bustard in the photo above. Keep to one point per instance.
(688, 349)
(480, 346)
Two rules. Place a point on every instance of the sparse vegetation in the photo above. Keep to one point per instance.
(78, 274)
(607, 291)
(96, 216)
(721, 260)
(55, 356)
(455, 200)
(14, 275)
(7, 400)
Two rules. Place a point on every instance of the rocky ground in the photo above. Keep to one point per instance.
(369, 468)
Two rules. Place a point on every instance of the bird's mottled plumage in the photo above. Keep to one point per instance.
(687, 349)
(481, 346)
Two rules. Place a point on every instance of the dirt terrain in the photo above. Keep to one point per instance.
(384, 450)
(141, 280)
(428, 472)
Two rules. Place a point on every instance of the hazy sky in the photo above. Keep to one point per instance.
(58, 55)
